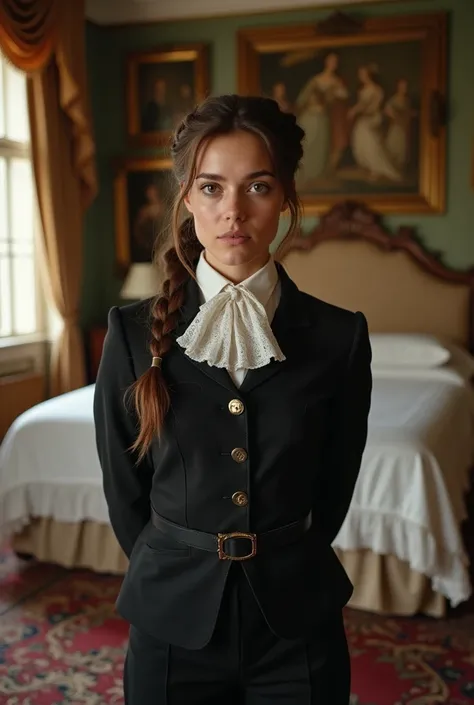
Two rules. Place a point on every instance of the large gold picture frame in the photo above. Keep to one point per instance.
(162, 86)
(371, 97)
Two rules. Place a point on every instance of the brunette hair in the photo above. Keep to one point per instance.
(215, 116)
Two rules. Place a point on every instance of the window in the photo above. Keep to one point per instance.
(19, 300)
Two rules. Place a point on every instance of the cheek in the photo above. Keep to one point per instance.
(205, 222)
(205, 212)
(269, 214)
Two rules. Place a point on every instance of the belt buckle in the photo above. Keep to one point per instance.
(221, 538)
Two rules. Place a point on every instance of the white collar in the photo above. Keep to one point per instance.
(261, 284)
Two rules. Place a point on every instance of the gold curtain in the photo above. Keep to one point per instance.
(46, 38)
(28, 31)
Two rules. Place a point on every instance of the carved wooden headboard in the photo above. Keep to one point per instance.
(351, 260)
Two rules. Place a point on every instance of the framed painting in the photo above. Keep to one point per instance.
(162, 86)
(371, 98)
(143, 195)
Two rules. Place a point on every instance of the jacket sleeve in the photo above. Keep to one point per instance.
(347, 435)
(126, 485)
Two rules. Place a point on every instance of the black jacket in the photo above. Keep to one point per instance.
(304, 427)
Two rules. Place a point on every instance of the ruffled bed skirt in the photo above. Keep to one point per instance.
(441, 558)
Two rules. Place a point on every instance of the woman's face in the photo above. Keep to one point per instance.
(236, 201)
(279, 91)
(364, 76)
(332, 62)
(152, 193)
(402, 86)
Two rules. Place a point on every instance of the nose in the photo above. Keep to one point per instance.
(234, 208)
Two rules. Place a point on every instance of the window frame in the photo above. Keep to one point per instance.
(10, 149)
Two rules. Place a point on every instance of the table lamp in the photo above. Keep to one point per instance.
(141, 282)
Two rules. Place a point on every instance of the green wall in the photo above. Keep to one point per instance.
(452, 233)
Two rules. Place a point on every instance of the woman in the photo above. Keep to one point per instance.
(279, 94)
(148, 224)
(367, 139)
(399, 111)
(229, 468)
(322, 111)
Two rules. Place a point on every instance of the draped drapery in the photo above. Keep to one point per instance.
(28, 32)
(46, 39)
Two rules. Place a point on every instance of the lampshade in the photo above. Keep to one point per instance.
(141, 281)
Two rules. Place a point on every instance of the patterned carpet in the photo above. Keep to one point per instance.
(61, 642)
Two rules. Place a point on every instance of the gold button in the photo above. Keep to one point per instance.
(236, 407)
(240, 499)
(240, 455)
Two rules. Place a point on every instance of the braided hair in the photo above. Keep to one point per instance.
(214, 116)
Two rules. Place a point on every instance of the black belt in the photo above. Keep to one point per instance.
(234, 545)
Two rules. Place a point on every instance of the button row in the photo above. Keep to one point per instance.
(239, 455)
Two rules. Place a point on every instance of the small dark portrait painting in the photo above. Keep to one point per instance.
(144, 190)
(162, 87)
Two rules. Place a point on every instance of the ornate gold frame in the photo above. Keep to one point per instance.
(122, 234)
(197, 53)
(342, 30)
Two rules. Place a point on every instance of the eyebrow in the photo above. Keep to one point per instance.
(218, 177)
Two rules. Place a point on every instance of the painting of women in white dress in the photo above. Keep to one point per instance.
(359, 112)
(370, 95)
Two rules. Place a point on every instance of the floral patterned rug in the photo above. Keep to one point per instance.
(61, 642)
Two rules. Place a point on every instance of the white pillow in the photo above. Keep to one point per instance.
(461, 360)
(408, 350)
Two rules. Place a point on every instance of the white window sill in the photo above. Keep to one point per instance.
(16, 341)
(23, 353)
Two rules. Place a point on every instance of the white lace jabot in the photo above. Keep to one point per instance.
(232, 328)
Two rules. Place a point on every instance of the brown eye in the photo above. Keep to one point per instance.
(260, 187)
(209, 189)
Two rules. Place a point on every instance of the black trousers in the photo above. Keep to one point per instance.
(243, 664)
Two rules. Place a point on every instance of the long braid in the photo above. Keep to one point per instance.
(150, 392)
(165, 311)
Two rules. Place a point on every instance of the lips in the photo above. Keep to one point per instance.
(234, 235)
(234, 239)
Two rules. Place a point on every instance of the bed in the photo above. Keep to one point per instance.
(401, 542)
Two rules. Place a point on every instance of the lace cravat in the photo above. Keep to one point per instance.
(232, 331)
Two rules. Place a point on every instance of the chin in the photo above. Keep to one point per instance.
(233, 262)
(235, 259)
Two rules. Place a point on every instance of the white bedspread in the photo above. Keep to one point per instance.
(408, 500)
(49, 465)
